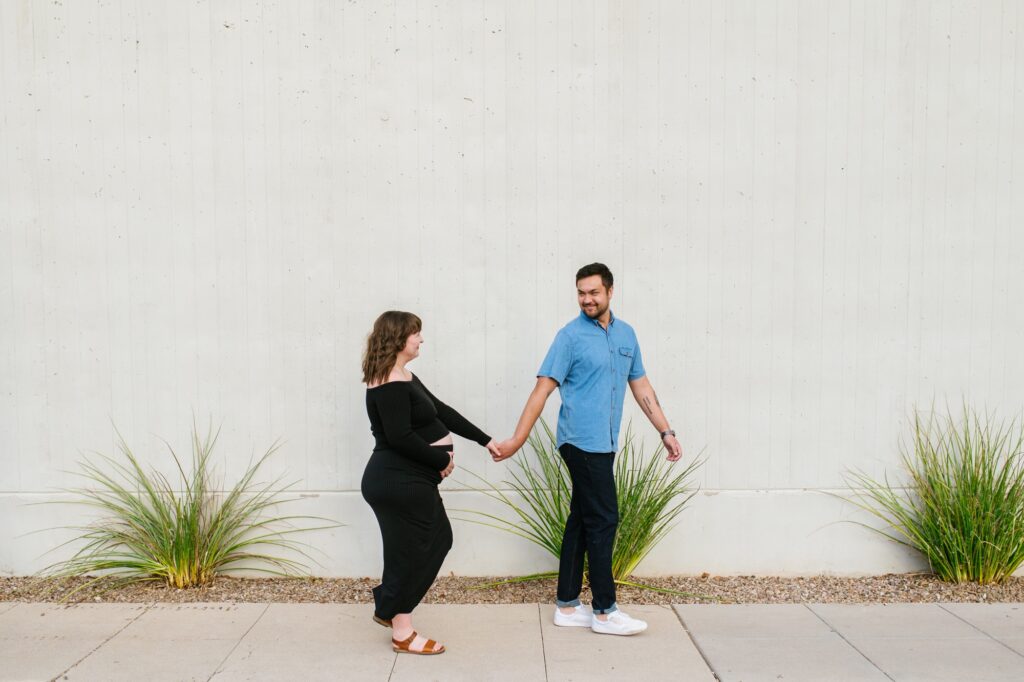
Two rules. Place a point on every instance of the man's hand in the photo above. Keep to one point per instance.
(446, 472)
(532, 410)
(647, 399)
(675, 450)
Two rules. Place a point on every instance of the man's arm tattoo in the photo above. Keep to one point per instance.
(646, 403)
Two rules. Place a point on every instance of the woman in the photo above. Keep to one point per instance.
(412, 454)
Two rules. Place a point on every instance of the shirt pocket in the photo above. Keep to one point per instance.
(624, 360)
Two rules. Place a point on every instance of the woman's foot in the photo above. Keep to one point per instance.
(405, 640)
(414, 643)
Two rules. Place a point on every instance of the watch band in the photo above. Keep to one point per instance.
(667, 432)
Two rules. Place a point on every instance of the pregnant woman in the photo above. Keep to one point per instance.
(412, 454)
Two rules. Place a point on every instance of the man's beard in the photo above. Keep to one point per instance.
(595, 312)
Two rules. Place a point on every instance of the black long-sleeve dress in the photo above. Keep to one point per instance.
(400, 484)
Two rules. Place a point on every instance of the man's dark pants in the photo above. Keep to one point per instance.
(590, 528)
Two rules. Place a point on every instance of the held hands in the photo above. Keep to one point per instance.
(506, 448)
(502, 450)
(499, 451)
(675, 450)
(446, 472)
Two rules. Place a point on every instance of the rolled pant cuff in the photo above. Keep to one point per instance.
(611, 609)
(567, 604)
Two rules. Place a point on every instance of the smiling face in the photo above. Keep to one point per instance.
(391, 338)
(412, 346)
(593, 297)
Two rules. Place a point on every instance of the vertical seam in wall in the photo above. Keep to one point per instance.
(994, 639)
(848, 642)
(1010, 176)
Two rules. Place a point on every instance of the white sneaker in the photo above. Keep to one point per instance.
(579, 618)
(618, 623)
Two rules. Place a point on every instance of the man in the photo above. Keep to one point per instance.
(590, 361)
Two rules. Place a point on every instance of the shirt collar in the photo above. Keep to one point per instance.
(611, 318)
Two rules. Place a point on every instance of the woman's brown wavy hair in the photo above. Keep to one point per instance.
(390, 332)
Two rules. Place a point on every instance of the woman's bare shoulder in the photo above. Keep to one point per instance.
(394, 378)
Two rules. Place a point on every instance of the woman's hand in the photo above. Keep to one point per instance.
(451, 466)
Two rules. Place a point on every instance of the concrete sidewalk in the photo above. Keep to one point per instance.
(956, 642)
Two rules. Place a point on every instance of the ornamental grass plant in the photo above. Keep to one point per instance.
(184, 535)
(652, 492)
(962, 505)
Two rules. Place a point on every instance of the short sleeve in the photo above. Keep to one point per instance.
(636, 370)
(559, 358)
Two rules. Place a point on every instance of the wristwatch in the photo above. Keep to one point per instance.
(667, 432)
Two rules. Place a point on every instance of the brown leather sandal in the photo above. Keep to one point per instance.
(386, 622)
(431, 648)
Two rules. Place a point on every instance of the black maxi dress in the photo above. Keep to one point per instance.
(400, 485)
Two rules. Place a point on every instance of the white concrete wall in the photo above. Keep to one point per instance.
(812, 210)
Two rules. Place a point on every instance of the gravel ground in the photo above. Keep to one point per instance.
(893, 588)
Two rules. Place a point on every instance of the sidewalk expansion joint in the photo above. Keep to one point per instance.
(696, 644)
(994, 639)
(848, 642)
(394, 662)
(240, 639)
(101, 644)
(543, 651)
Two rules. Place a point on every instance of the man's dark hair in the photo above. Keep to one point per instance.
(597, 269)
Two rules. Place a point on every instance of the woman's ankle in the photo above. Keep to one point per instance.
(401, 626)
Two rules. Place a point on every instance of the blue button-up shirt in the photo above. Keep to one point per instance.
(592, 365)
